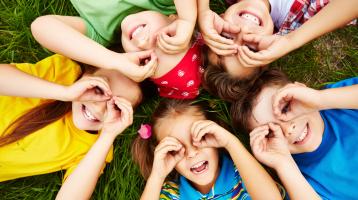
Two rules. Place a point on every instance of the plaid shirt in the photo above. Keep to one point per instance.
(300, 12)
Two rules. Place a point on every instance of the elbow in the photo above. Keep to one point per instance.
(40, 26)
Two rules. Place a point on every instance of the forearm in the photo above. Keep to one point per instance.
(65, 36)
(203, 5)
(185, 13)
(82, 182)
(326, 20)
(152, 188)
(14, 82)
(258, 182)
(295, 183)
(339, 98)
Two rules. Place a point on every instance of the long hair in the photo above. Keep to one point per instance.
(35, 119)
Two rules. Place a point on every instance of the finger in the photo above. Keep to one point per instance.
(151, 66)
(231, 28)
(219, 45)
(180, 155)
(196, 127)
(169, 49)
(103, 85)
(258, 144)
(249, 62)
(276, 130)
(252, 38)
(143, 54)
(257, 134)
(168, 146)
(126, 109)
(254, 57)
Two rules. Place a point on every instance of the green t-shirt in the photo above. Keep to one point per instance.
(103, 17)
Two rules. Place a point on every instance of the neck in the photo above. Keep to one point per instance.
(204, 189)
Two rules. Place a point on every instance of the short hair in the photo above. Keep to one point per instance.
(241, 109)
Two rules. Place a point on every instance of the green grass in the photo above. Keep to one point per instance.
(328, 59)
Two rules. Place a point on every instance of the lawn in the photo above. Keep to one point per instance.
(328, 59)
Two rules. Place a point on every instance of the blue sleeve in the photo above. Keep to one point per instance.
(343, 83)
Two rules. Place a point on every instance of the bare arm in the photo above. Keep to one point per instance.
(273, 151)
(65, 35)
(14, 82)
(82, 182)
(258, 182)
(326, 20)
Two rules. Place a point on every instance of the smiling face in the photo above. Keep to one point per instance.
(252, 16)
(139, 30)
(199, 165)
(90, 115)
(304, 133)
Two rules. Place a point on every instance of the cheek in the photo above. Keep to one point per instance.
(79, 120)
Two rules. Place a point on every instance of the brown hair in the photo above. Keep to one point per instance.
(143, 149)
(241, 109)
(34, 120)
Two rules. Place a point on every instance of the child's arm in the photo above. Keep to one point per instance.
(297, 99)
(257, 181)
(65, 35)
(211, 26)
(81, 183)
(273, 152)
(334, 15)
(14, 82)
(176, 37)
(164, 162)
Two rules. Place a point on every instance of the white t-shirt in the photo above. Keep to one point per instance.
(279, 11)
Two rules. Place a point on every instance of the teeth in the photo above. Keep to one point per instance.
(303, 135)
(198, 165)
(89, 115)
(251, 17)
(137, 31)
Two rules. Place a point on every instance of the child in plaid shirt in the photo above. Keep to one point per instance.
(247, 27)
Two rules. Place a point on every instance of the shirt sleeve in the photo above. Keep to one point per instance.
(170, 191)
(56, 68)
(343, 83)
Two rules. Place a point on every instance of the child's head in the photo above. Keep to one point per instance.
(254, 109)
(140, 30)
(90, 115)
(174, 118)
(253, 16)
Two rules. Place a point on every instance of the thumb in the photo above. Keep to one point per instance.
(180, 155)
(143, 54)
(252, 38)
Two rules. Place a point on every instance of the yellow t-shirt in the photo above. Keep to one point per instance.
(58, 146)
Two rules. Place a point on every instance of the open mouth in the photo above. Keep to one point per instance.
(88, 115)
(136, 31)
(251, 17)
(303, 136)
(200, 167)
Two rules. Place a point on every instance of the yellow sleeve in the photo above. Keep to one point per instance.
(55, 68)
(69, 170)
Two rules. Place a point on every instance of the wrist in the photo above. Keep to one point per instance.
(62, 93)
(154, 178)
(285, 165)
(107, 135)
(233, 142)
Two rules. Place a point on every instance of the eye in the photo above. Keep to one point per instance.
(286, 108)
(98, 90)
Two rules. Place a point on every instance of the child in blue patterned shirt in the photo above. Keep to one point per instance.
(185, 142)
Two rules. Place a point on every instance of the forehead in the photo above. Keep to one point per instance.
(178, 126)
(262, 112)
(120, 85)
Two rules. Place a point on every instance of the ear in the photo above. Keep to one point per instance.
(173, 17)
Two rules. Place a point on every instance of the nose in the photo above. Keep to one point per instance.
(99, 108)
(191, 151)
(288, 128)
(142, 41)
